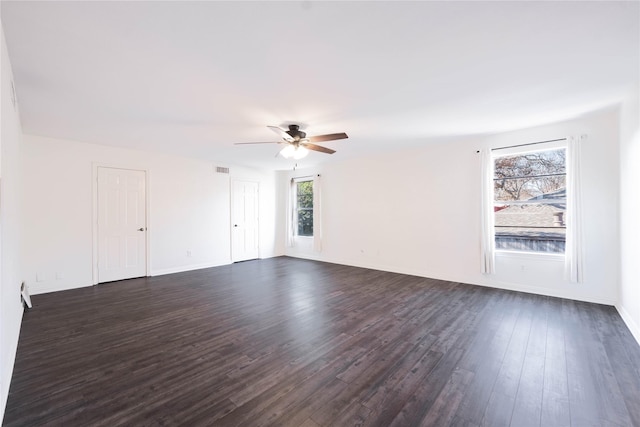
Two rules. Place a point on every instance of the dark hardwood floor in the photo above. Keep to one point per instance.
(292, 342)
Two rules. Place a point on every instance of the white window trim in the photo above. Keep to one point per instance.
(294, 211)
(515, 150)
(512, 151)
(543, 256)
(292, 237)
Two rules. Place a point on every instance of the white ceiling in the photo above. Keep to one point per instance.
(192, 78)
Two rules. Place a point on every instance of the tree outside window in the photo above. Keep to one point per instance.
(530, 201)
(304, 208)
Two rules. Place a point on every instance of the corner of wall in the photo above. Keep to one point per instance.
(10, 227)
(634, 328)
(628, 304)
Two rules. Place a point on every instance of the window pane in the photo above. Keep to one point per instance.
(530, 201)
(304, 208)
(305, 222)
(545, 189)
(305, 194)
(531, 227)
(531, 164)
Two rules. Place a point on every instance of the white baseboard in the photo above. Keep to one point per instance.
(45, 289)
(184, 268)
(35, 289)
(628, 320)
(559, 293)
(547, 292)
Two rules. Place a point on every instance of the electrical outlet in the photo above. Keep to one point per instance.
(189, 253)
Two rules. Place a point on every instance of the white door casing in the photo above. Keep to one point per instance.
(244, 221)
(121, 234)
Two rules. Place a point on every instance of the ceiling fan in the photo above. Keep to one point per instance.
(297, 142)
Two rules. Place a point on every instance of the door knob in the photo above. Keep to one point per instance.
(141, 229)
(235, 225)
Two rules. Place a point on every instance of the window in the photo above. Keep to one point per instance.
(530, 201)
(303, 215)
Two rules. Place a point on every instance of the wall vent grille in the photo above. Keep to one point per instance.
(220, 169)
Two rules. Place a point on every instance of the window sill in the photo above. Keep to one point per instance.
(530, 255)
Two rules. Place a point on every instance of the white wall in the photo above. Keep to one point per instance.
(189, 210)
(417, 212)
(629, 298)
(10, 218)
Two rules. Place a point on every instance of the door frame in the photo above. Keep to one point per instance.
(94, 212)
(231, 200)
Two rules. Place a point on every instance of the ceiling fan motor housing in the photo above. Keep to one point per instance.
(296, 133)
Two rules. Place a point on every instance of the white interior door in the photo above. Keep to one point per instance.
(122, 242)
(244, 221)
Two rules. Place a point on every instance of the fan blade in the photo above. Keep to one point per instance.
(247, 143)
(281, 133)
(315, 147)
(328, 137)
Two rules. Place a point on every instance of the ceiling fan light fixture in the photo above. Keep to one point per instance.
(300, 152)
(294, 152)
(288, 151)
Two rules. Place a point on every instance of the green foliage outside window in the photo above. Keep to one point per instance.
(304, 195)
